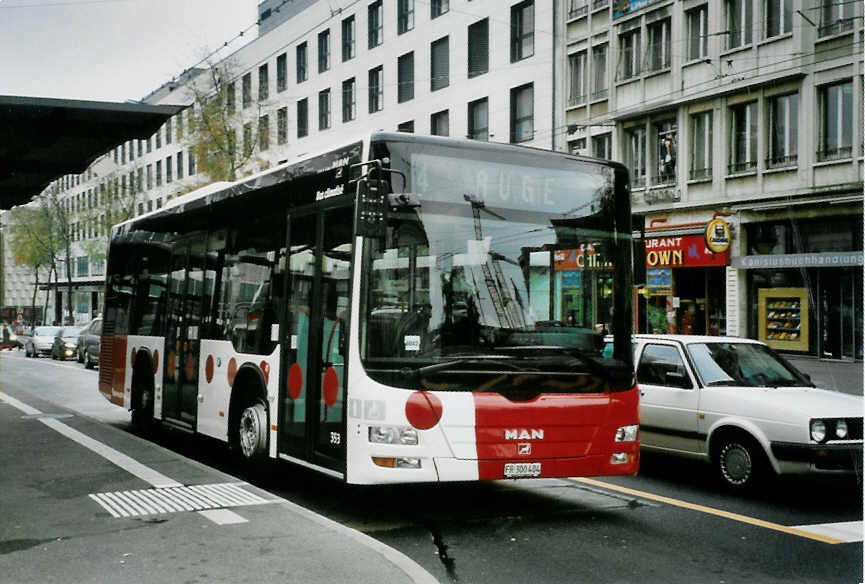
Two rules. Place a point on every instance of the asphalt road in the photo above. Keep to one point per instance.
(669, 524)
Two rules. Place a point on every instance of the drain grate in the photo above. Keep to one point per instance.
(176, 499)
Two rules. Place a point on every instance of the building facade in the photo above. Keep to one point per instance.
(742, 114)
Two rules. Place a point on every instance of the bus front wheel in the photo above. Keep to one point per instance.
(252, 431)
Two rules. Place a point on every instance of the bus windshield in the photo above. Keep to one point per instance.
(506, 272)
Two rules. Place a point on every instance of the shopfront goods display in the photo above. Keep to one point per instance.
(783, 318)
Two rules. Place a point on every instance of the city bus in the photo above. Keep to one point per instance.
(399, 309)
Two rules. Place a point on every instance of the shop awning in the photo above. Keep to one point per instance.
(42, 139)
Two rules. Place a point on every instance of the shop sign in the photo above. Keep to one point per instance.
(659, 281)
(586, 257)
(624, 7)
(718, 235)
(686, 251)
(800, 260)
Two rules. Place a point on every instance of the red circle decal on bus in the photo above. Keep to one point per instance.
(265, 369)
(295, 381)
(208, 368)
(232, 370)
(155, 361)
(330, 386)
(423, 410)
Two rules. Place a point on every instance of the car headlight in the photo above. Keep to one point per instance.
(841, 429)
(393, 435)
(627, 433)
(818, 430)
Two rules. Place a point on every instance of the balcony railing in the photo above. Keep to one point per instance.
(782, 161)
(834, 153)
(600, 94)
(598, 4)
(576, 100)
(638, 182)
(578, 9)
(700, 173)
(745, 166)
(836, 27)
(664, 179)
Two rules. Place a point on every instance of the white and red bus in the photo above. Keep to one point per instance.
(401, 309)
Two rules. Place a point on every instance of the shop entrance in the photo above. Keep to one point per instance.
(841, 320)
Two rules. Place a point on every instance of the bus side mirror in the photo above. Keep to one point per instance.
(372, 208)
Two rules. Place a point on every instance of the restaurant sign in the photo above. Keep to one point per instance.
(686, 251)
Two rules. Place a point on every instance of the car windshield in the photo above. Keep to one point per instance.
(46, 331)
(742, 364)
(71, 333)
(504, 271)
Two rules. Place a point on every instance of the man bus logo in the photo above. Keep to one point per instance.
(523, 434)
(524, 448)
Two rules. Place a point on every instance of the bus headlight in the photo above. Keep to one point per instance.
(393, 435)
(818, 430)
(627, 433)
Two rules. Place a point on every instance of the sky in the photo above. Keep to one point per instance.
(111, 50)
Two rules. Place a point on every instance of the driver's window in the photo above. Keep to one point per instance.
(663, 365)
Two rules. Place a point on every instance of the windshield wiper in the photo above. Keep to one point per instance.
(455, 361)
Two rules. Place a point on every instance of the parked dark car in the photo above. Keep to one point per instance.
(65, 342)
(41, 341)
(88, 343)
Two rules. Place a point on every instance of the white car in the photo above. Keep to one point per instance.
(737, 403)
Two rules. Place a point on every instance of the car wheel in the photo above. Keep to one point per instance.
(739, 462)
(88, 364)
(252, 431)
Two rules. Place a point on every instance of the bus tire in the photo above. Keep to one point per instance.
(252, 431)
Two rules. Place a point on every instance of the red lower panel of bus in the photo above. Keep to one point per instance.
(112, 367)
(569, 435)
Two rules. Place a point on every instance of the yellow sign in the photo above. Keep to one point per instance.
(718, 235)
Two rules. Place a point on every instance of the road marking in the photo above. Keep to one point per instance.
(847, 531)
(223, 516)
(176, 499)
(800, 531)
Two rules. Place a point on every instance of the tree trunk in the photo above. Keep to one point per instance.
(35, 292)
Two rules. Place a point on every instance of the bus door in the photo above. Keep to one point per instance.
(313, 390)
(182, 342)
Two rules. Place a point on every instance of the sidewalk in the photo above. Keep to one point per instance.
(87, 502)
(843, 376)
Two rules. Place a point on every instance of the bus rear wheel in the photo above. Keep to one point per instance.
(252, 431)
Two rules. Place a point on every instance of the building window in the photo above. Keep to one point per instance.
(836, 16)
(149, 176)
(324, 109)
(139, 183)
(602, 146)
(264, 133)
(405, 77)
(635, 155)
(404, 16)
(190, 164)
(230, 101)
(348, 41)
(301, 54)
(248, 144)
(439, 123)
(577, 146)
(407, 127)
(349, 98)
(479, 48)
(158, 137)
(836, 121)
(522, 113)
(282, 125)
(701, 146)
(479, 119)
(376, 89)
(169, 175)
(439, 7)
(779, 17)
(439, 64)
(698, 33)
(159, 173)
(743, 137)
(263, 82)
(783, 130)
(665, 153)
(374, 24)
(577, 78)
(246, 91)
(599, 72)
(302, 118)
(168, 132)
(659, 45)
(522, 30)
(324, 51)
(281, 72)
(738, 23)
(179, 166)
(630, 55)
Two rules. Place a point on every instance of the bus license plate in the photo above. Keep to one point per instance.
(522, 469)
